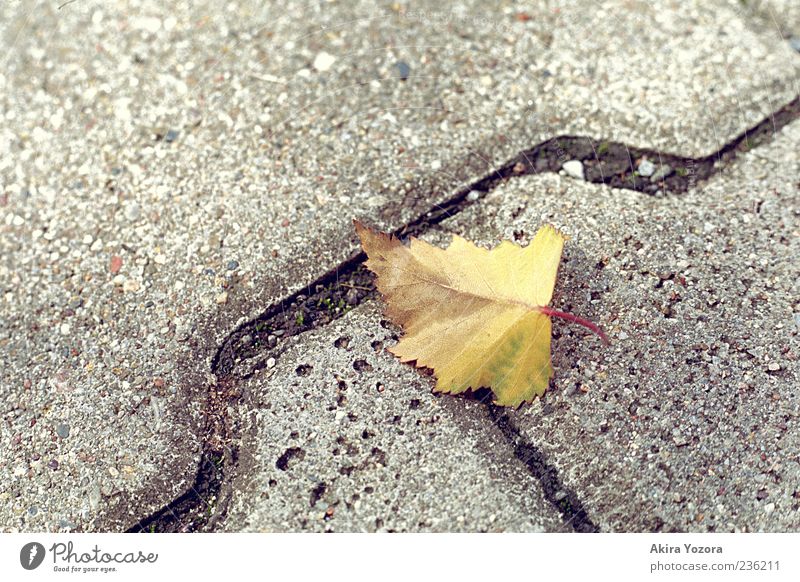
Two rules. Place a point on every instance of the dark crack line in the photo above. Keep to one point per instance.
(188, 511)
(605, 162)
(323, 301)
(562, 498)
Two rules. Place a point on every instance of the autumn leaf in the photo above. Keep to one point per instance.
(476, 317)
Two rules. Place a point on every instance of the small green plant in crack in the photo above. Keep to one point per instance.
(682, 172)
(299, 319)
(602, 148)
(566, 507)
(339, 307)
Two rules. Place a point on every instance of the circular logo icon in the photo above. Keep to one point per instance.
(31, 555)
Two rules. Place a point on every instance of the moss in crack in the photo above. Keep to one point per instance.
(319, 304)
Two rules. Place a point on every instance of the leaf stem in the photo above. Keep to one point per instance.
(549, 311)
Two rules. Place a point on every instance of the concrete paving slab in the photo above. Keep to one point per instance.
(170, 171)
(783, 16)
(338, 437)
(689, 421)
(233, 123)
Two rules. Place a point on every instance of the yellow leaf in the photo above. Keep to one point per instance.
(476, 317)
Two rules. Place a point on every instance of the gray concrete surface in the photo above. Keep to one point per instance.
(380, 450)
(168, 172)
(688, 421)
(781, 16)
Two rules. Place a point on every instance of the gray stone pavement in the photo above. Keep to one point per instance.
(781, 16)
(169, 172)
(337, 436)
(688, 421)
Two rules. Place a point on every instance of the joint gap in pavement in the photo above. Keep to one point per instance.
(256, 344)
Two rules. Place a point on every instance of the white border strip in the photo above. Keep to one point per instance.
(486, 557)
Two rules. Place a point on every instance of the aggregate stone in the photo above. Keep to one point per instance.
(574, 169)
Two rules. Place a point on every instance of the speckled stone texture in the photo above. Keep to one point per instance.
(782, 17)
(168, 171)
(338, 437)
(688, 421)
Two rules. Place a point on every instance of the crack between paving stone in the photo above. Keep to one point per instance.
(555, 492)
(254, 344)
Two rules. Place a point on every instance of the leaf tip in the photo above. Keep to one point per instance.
(550, 228)
(359, 227)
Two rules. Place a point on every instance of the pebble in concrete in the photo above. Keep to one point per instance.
(574, 169)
